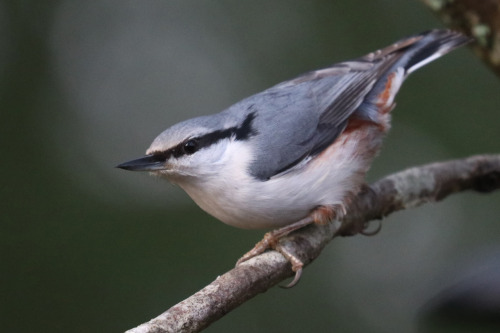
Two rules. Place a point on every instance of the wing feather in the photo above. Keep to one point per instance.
(308, 113)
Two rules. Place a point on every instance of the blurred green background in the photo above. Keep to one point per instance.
(86, 85)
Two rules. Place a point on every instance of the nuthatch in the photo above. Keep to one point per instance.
(296, 153)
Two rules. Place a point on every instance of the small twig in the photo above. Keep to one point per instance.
(402, 190)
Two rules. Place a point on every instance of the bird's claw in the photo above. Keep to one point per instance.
(297, 265)
(271, 241)
(268, 242)
(366, 232)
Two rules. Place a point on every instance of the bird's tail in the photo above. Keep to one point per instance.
(403, 58)
(428, 46)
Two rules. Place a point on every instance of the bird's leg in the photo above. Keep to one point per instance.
(321, 215)
(271, 238)
(365, 188)
(359, 227)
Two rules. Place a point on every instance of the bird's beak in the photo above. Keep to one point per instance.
(146, 163)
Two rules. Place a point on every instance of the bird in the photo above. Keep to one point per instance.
(296, 153)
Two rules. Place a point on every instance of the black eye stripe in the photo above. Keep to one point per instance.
(190, 146)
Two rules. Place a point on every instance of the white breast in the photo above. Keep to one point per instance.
(240, 200)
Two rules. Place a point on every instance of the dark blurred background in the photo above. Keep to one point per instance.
(86, 85)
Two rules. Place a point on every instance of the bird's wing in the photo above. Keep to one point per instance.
(308, 113)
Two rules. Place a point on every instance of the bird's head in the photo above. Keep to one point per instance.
(197, 148)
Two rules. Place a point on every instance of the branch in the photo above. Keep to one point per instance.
(406, 189)
(479, 19)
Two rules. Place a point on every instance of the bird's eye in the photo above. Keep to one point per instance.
(190, 147)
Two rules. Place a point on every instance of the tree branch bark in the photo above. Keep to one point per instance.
(406, 189)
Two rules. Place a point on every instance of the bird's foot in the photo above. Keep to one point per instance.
(364, 229)
(271, 241)
(268, 242)
(365, 232)
(357, 226)
(321, 215)
(297, 264)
